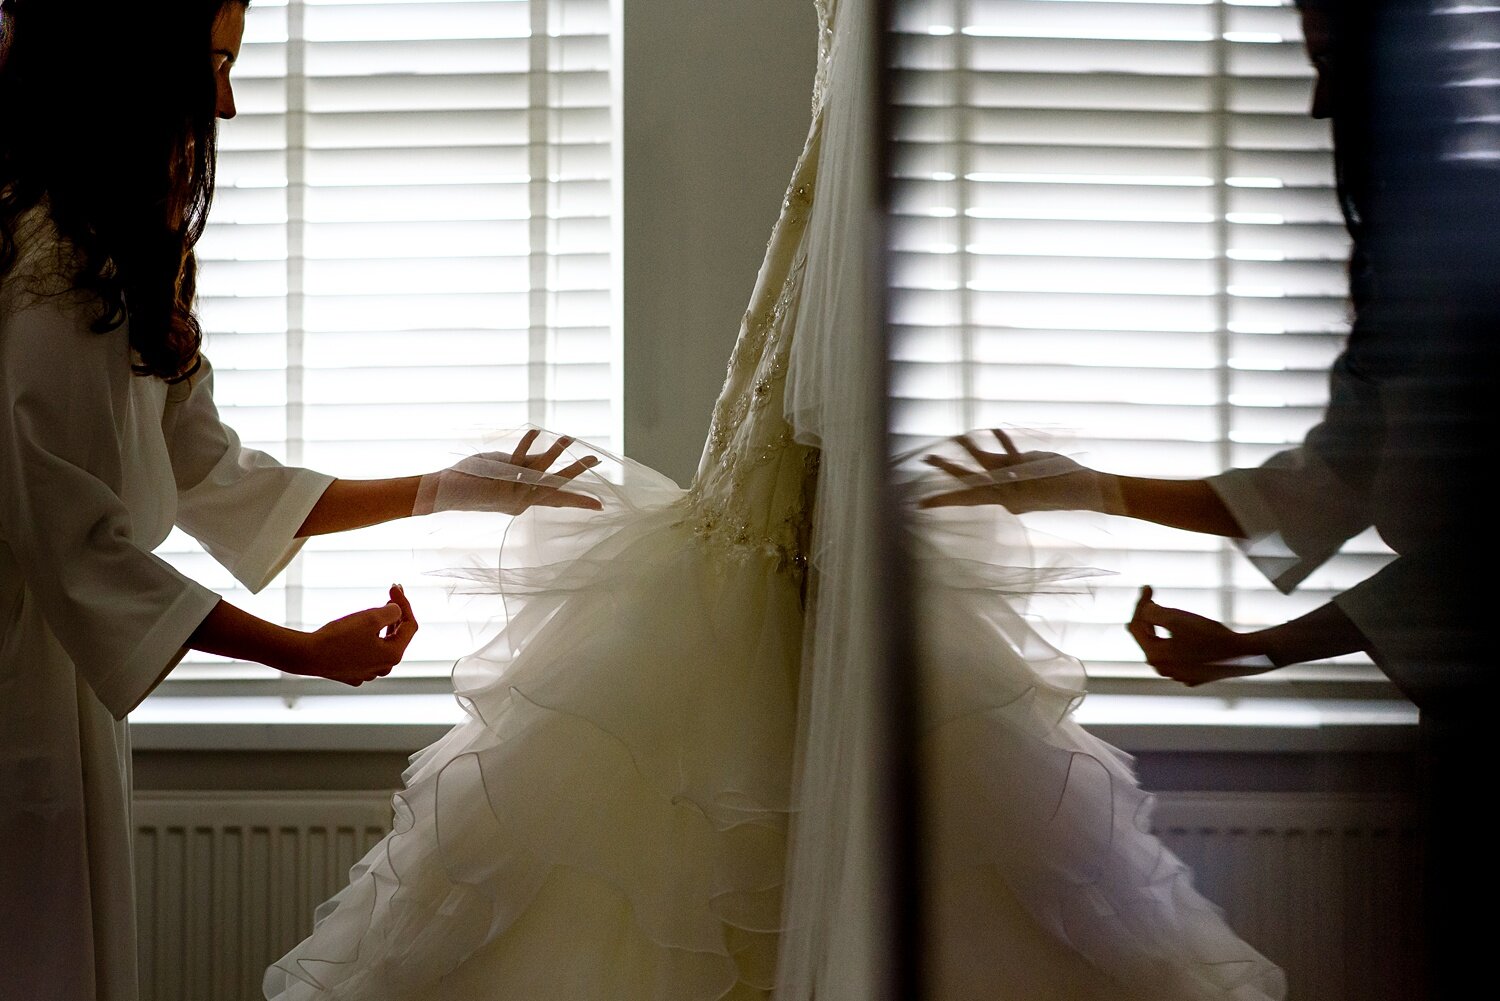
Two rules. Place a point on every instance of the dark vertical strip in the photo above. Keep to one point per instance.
(900, 691)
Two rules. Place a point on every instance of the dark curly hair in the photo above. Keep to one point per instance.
(107, 117)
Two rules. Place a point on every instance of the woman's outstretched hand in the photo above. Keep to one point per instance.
(1195, 649)
(1018, 481)
(359, 647)
(500, 481)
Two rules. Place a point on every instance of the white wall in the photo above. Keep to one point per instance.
(717, 97)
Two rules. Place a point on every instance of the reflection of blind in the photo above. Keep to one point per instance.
(411, 245)
(1116, 222)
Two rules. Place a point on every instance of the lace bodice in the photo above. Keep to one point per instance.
(753, 490)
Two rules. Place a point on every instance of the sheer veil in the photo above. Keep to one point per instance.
(833, 943)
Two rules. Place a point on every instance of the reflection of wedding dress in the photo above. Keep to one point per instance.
(610, 821)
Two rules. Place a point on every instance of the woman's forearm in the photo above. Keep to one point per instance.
(1191, 505)
(232, 632)
(1324, 632)
(348, 504)
(353, 649)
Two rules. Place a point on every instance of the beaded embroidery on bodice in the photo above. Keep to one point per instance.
(753, 490)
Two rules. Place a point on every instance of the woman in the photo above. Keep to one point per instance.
(109, 436)
(656, 745)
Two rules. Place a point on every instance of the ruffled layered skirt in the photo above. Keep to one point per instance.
(1043, 878)
(609, 821)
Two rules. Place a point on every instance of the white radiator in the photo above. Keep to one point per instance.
(1324, 885)
(226, 882)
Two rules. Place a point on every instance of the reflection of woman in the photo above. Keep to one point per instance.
(109, 436)
(672, 725)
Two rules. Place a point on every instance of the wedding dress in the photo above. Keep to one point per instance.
(653, 748)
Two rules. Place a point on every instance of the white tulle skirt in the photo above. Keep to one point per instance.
(1044, 880)
(609, 821)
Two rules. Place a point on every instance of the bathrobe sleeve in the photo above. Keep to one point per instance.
(243, 506)
(1302, 504)
(1422, 614)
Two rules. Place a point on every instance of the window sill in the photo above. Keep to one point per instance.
(1142, 723)
(1136, 724)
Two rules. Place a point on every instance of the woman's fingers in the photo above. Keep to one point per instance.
(511, 483)
(399, 599)
(387, 616)
(566, 498)
(970, 497)
(950, 467)
(358, 652)
(519, 455)
(985, 459)
(1142, 628)
(548, 457)
(1006, 443)
(385, 653)
(522, 455)
(1144, 634)
(406, 627)
(1195, 649)
(364, 645)
(1178, 622)
(393, 625)
(574, 469)
(551, 496)
(1149, 617)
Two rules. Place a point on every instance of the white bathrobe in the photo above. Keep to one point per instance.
(96, 465)
(1404, 453)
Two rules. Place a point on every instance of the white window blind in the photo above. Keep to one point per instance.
(411, 246)
(1115, 222)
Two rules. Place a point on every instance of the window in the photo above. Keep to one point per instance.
(1115, 222)
(412, 245)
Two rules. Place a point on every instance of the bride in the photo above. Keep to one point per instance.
(667, 783)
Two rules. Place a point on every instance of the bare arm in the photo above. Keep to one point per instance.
(354, 649)
(350, 504)
(230, 631)
(1191, 505)
(1324, 632)
(1194, 649)
(1002, 477)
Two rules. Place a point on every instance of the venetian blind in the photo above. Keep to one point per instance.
(1116, 225)
(411, 247)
